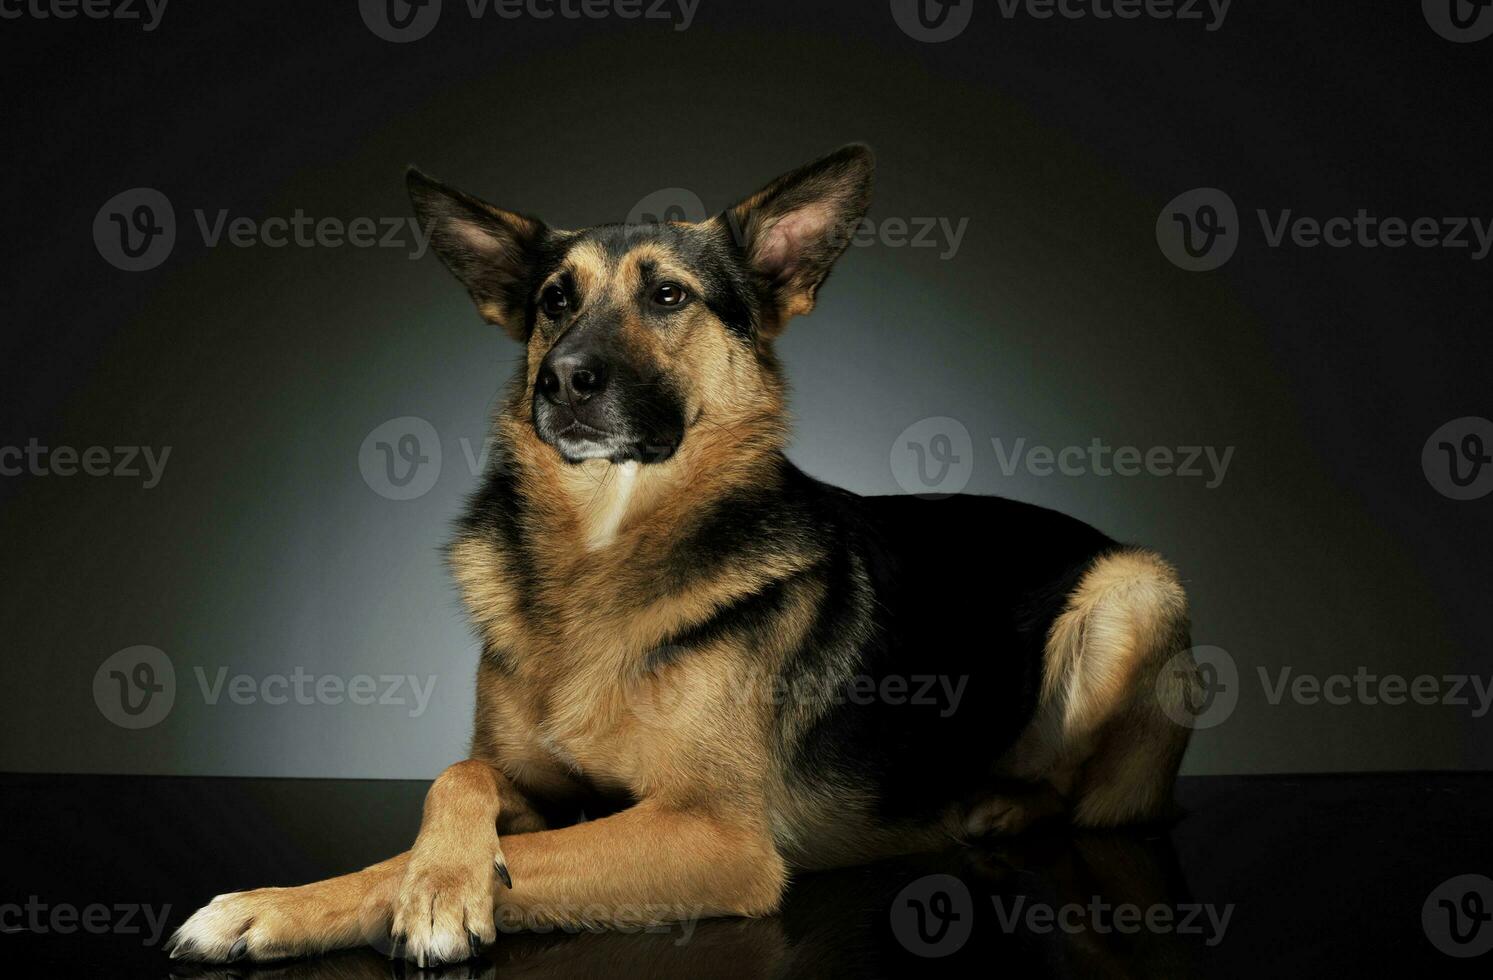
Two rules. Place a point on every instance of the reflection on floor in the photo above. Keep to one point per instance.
(1261, 876)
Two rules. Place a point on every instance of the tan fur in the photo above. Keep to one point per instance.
(644, 866)
(1104, 738)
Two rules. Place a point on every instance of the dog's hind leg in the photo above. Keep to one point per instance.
(1012, 808)
(1136, 626)
(1116, 680)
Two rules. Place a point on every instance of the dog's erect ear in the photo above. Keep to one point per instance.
(493, 252)
(795, 228)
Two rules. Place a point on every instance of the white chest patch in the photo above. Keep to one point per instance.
(607, 517)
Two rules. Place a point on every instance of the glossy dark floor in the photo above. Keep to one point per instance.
(1263, 876)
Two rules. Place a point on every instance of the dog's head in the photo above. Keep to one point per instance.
(636, 334)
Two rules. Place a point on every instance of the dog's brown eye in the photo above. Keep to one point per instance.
(670, 294)
(554, 301)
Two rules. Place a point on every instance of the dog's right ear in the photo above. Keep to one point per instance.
(493, 252)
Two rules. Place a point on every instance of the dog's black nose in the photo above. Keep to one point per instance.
(572, 378)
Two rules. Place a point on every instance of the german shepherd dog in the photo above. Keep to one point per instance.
(700, 667)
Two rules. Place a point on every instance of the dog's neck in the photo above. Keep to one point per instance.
(592, 506)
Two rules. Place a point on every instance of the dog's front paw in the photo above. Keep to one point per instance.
(444, 913)
(264, 924)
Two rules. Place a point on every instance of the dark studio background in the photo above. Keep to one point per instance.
(1058, 319)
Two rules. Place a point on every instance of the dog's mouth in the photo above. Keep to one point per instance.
(578, 442)
(580, 430)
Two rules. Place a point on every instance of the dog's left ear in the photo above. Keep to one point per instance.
(794, 229)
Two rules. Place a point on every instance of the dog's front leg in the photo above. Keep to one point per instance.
(443, 912)
(451, 867)
(651, 863)
(277, 923)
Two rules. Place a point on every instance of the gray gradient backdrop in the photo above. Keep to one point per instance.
(1057, 320)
